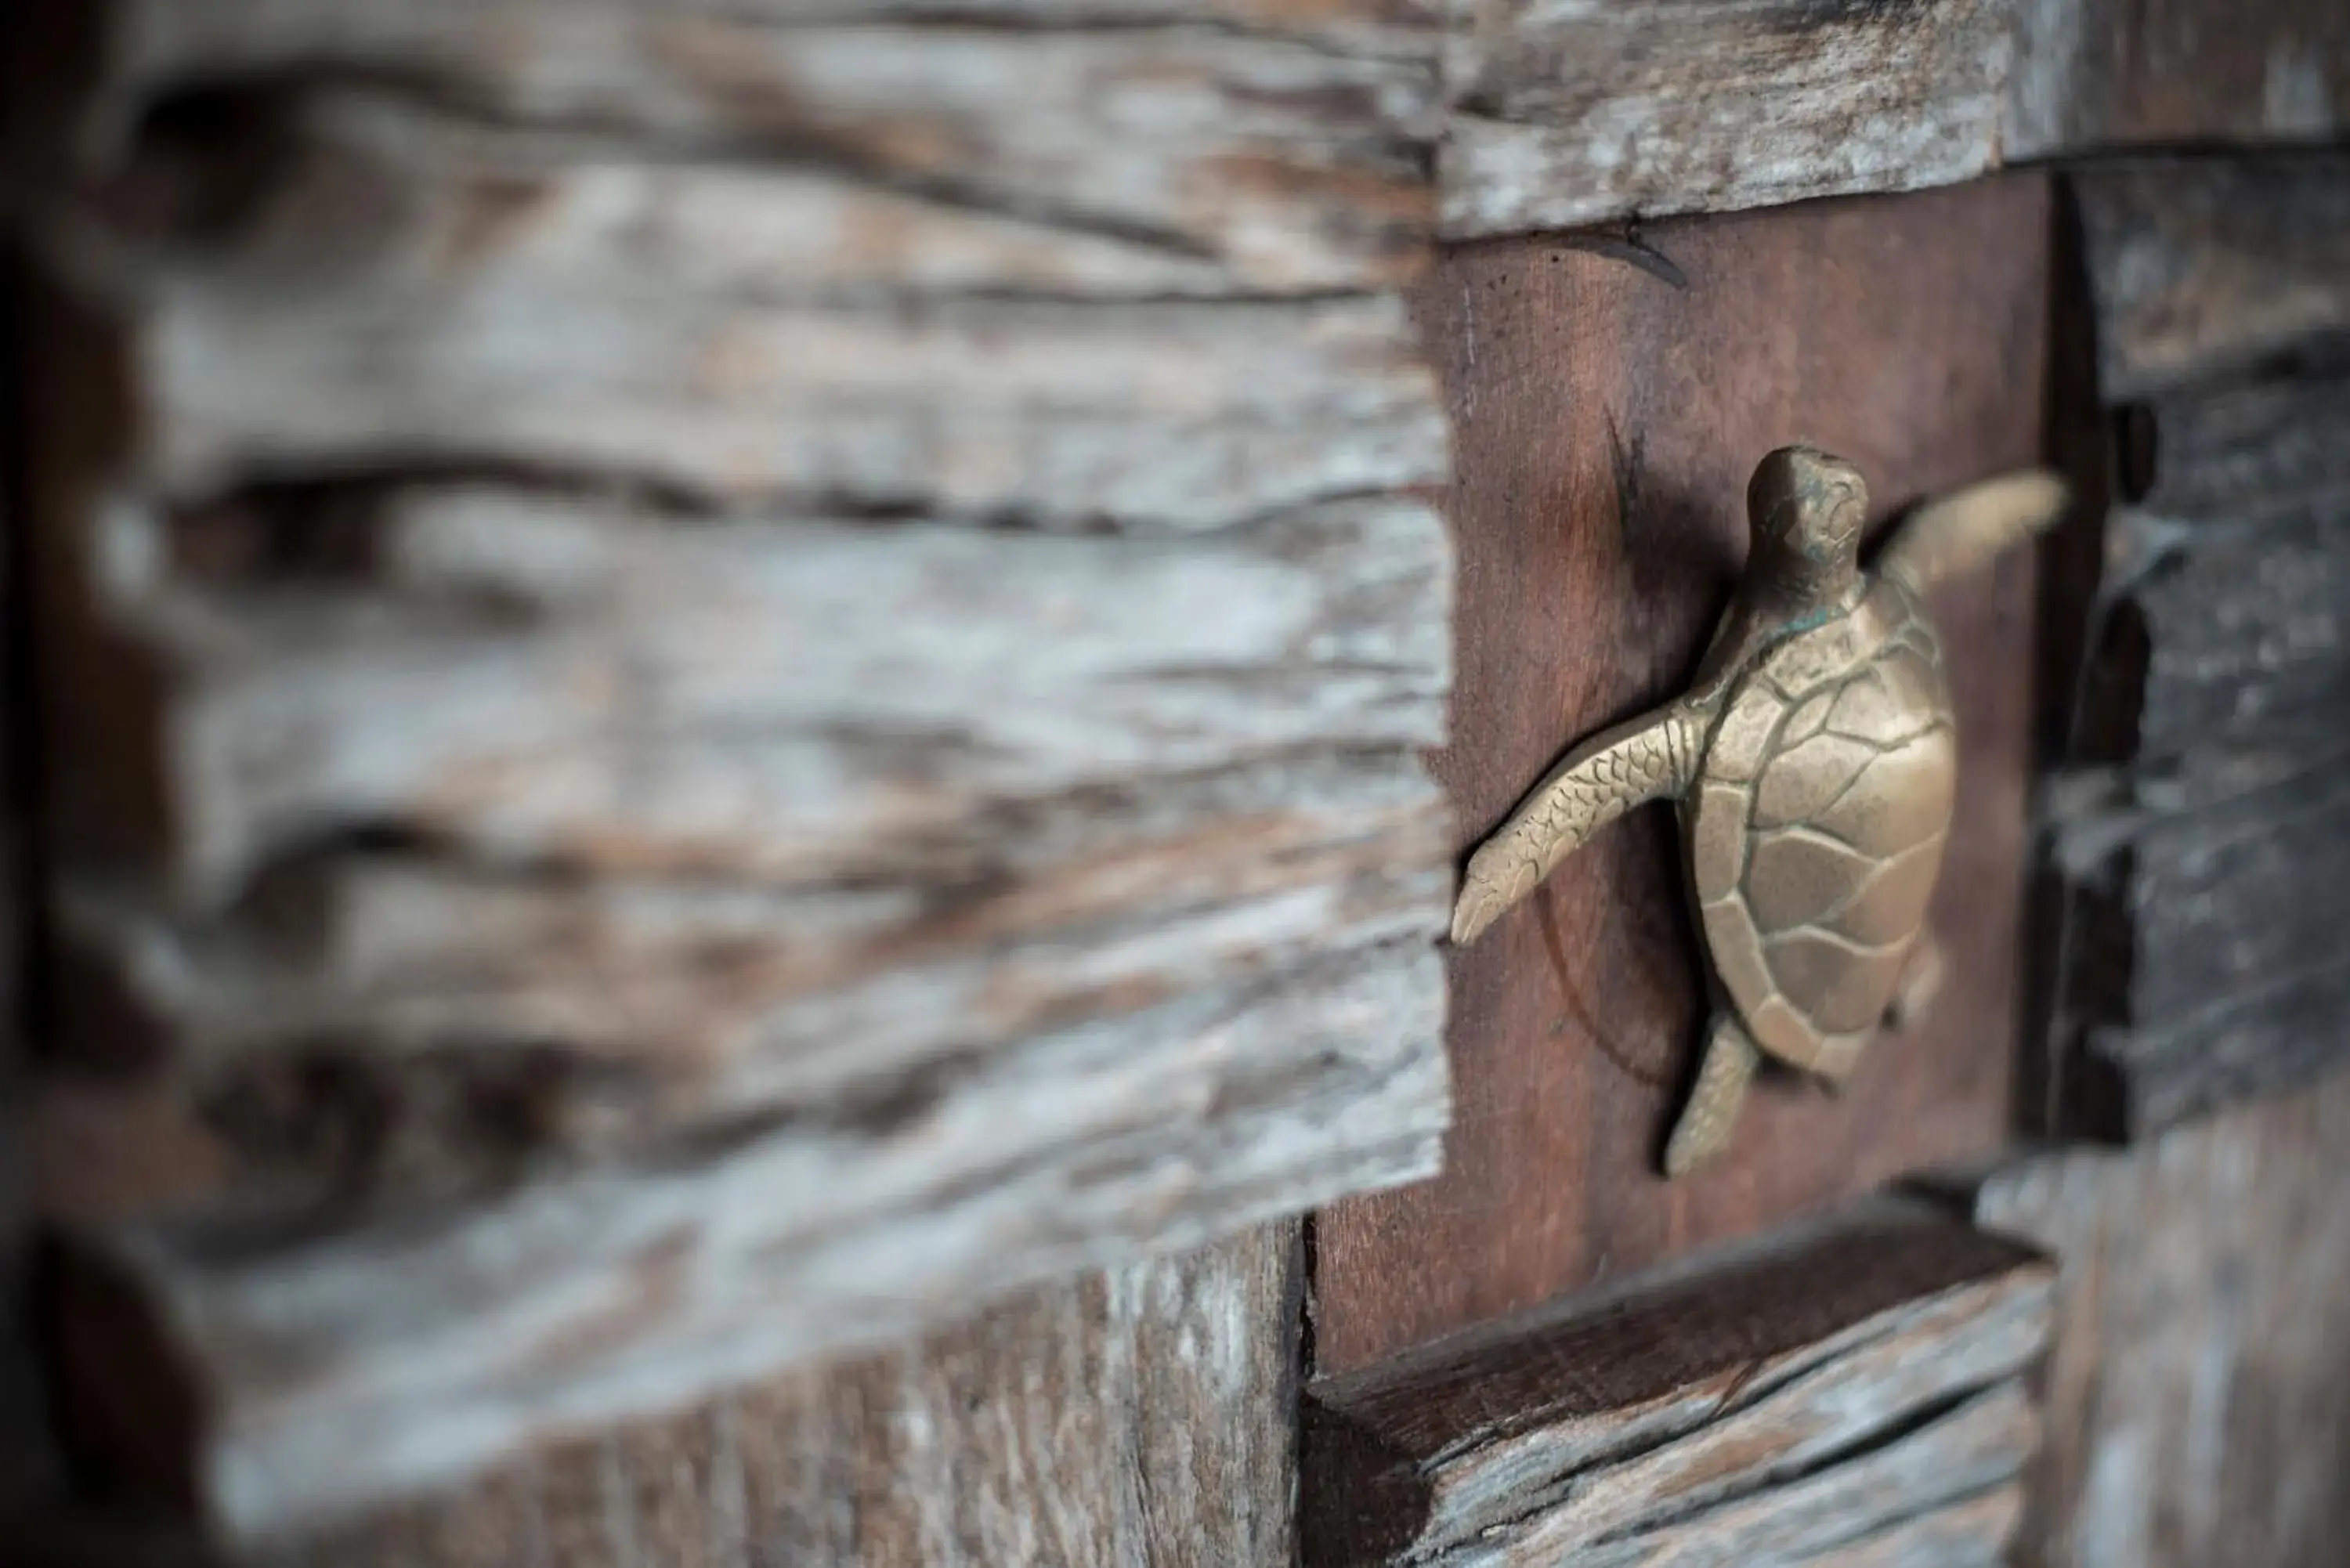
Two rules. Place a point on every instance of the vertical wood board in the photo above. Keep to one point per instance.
(2195, 1396)
(1608, 423)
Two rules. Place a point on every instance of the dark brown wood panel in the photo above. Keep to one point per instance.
(1607, 419)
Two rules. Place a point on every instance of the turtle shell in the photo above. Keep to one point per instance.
(1816, 830)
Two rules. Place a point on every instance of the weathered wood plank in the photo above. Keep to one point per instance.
(393, 1023)
(457, 1333)
(2096, 73)
(1608, 423)
(1560, 113)
(776, 697)
(1180, 414)
(2196, 1384)
(315, 279)
(1578, 113)
(2202, 957)
(1824, 1396)
(1142, 1418)
(372, 184)
(563, 53)
(2232, 634)
(1568, 112)
(861, 157)
(2206, 267)
(2202, 841)
(2223, 619)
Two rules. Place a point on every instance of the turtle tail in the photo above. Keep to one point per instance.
(1703, 1130)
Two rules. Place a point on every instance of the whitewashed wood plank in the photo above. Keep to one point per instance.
(1144, 1416)
(456, 1334)
(1580, 111)
(563, 679)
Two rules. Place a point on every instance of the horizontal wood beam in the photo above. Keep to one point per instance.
(1590, 112)
(1551, 115)
(1855, 1391)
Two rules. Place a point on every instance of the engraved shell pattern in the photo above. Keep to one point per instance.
(1817, 829)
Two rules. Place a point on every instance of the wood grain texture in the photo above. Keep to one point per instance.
(2096, 74)
(2202, 269)
(457, 1332)
(684, 57)
(1844, 1393)
(2195, 1394)
(1554, 114)
(1175, 415)
(786, 699)
(2227, 617)
(1585, 112)
(2202, 953)
(1607, 424)
(1581, 114)
(1141, 1418)
(765, 675)
(2199, 840)
(1144, 1416)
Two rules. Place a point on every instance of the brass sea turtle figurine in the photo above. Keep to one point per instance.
(1815, 761)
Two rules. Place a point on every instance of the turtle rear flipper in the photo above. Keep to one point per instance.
(1642, 760)
(1963, 530)
(1705, 1125)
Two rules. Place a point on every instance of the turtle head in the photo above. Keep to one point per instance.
(1807, 509)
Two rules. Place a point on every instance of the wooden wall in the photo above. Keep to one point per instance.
(764, 681)
(2196, 1394)
(765, 673)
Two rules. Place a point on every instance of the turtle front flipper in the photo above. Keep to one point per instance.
(1642, 760)
(1961, 531)
(1704, 1128)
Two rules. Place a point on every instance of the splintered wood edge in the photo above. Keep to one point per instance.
(1377, 1438)
(2206, 787)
